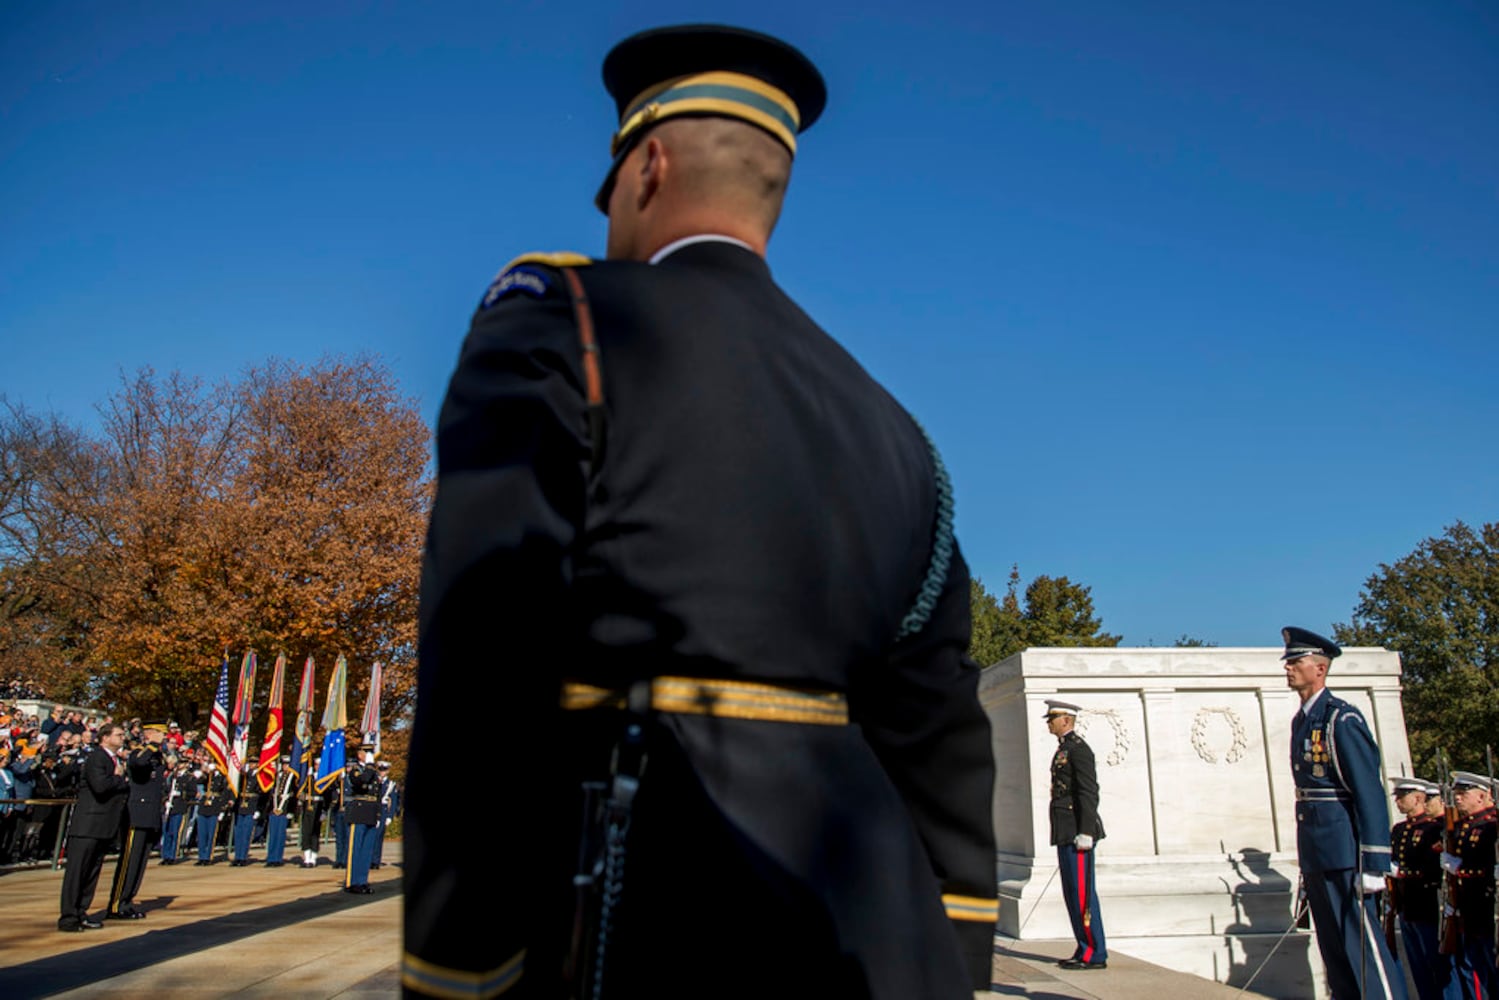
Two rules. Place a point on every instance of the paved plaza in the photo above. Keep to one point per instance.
(292, 932)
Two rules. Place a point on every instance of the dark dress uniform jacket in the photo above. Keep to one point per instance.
(1074, 791)
(1416, 848)
(761, 510)
(148, 779)
(1342, 818)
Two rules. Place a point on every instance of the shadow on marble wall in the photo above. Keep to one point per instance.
(1264, 901)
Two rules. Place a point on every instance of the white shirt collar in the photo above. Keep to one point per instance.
(1306, 706)
(676, 245)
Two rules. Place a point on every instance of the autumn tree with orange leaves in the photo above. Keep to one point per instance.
(283, 511)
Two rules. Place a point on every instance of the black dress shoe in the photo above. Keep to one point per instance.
(70, 926)
(130, 914)
(92, 925)
(1074, 963)
(273, 864)
(361, 890)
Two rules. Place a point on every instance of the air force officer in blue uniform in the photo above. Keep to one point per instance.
(1342, 824)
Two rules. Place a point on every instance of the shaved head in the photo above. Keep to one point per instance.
(695, 175)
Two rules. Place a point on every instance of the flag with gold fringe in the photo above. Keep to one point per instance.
(218, 721)
(239, 748)
(330, 765)
(301, 740)
(369, 725)
(270, 747)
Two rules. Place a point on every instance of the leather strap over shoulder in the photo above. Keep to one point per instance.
(593, 375)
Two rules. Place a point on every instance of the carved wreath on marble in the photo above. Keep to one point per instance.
(1200, 735)
(1121, 734)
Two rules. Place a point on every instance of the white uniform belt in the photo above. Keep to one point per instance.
(1322, 795)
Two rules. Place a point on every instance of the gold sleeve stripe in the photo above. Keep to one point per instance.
(722, 699)
(460, 984)
(975, 908)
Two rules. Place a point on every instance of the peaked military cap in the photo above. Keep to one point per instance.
(1399, 786)
(707, 70)
(1300, 642)
(1054, 708)
(1467, 779)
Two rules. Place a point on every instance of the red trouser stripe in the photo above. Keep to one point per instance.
(1082, 903)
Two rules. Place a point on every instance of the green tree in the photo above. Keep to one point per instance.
(1185, 641)
(1055, 612)
(1438, 607)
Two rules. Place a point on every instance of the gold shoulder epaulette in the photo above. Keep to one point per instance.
(561, 258)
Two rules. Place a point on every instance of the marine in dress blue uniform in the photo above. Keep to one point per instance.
(1342, 824)
(687, 548)
(1474, 866)
(1076, 831)
(1415, 867)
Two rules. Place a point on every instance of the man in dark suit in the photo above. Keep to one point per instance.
(147, 771)
(700, 565)
(1342, 824)
(1076, 831)
(97, 820)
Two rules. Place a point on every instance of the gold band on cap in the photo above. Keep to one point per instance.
(723, 94)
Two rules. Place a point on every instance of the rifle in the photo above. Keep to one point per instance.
(1488, 753)
(1387, 916)
(1449, 920)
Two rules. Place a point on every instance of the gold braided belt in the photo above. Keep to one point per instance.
(724, 699)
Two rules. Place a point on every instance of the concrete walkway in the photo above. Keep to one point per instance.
(292, 932)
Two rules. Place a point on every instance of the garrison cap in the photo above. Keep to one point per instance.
(1300, 642)
(1055, 708)
(708, 70)
(1467, 779)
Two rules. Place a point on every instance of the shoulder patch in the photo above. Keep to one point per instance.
(528, 274)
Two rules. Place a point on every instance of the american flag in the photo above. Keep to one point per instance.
(218, 722)
(370, 724)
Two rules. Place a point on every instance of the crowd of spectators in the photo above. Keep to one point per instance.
(41, 761)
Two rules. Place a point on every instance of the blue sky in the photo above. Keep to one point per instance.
(1200, 300)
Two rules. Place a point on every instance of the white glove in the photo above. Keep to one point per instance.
(1083, 842)
(1451, 862)
(1372, 883)
(1394, 870)
(256, 816)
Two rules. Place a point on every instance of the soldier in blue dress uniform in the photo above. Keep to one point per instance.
(693, 556)
(1342, 824)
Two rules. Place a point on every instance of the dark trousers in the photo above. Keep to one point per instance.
(1475, 963)
(1081, 896)
(378, 859)
(244, 826)
(207, 827)
(1433, 973)
(131, 867)
(361, 852)
(275, 839)
(340, 838)
(1348, 936)
(85, 859)
(171, 836)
